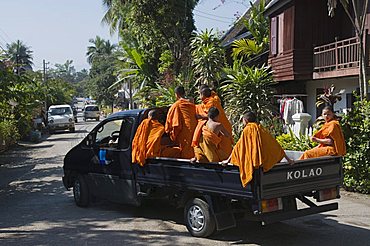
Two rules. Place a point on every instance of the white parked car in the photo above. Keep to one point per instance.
(91, 112)
(60, 117)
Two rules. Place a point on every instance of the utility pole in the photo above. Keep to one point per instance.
(44, 68)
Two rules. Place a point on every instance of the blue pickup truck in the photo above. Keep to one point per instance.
(212, 195)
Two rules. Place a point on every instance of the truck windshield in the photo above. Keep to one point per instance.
(60, 111)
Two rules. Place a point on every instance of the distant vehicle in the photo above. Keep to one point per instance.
(60, 117)
(91, 112)
(79, 103)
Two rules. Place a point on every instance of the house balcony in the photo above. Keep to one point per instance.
(338, 59)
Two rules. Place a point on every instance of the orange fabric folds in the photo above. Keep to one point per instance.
(147, 141)
(256, 147)
(214, 101)
(180, 125)
(331, 130)
(208, 147)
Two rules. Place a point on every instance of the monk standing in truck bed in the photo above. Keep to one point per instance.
(210, 99)
(181, 122)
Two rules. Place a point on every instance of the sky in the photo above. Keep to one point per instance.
(59, 30)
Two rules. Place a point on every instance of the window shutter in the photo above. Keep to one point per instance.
(273, 36)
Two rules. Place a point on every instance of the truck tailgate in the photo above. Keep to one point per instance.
(304, 176)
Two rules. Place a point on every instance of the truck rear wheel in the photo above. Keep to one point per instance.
(81, 192)
(199, 219)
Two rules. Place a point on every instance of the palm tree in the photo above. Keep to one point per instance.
(99, 48)
(20, 55)
(115, 14)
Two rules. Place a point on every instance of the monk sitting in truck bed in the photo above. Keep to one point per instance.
(256, 147)
(207, 139)
(151, 141)
(330, 138)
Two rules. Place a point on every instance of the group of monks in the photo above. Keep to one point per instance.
(203, 133)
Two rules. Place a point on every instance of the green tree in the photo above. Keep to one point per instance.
(154, 27)
(101, 77)
(247, 89)
(258, 26)
(20, 55)
(100, 48)
(208, 58)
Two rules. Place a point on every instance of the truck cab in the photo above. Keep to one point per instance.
(212, 195)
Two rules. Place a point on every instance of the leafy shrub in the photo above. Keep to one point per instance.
(356, 127)
(8, 133)
(289, 141)
(247, 89)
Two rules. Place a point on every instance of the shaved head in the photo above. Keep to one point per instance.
(250, 117)
(153, 114)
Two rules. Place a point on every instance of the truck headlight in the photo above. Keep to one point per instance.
(70, 119)
(51, 121)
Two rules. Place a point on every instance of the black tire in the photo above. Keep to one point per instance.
(51, 131)
(72, 129)
(81, 192)
(97, 119)
(199, 219)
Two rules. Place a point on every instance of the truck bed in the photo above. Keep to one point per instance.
(211, 178)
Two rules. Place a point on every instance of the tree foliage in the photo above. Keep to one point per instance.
(154, 27)
(20, 55)
(258, 26)
(208, 58)
(356, 127)
(247, 89)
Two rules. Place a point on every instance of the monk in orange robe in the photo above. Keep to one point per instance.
(147, 141)
(181, 122)
(255, 148)
(330, 138)
(210, 99)
(207, 139)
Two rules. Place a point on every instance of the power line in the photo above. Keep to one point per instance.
(6, 35)
(218, 16)
(227, 22)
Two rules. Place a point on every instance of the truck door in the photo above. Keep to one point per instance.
(111, 175)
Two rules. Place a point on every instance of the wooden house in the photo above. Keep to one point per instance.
(309, 50)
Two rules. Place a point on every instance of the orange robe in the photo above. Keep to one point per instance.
(331, 130)
(180, 125)
(214, 101)
(207, 145)
(147, 142)
(256, 147)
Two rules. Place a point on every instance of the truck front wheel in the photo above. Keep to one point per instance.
(81, 192)
(199, 219)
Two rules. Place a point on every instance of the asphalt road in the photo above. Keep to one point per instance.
(35, 209)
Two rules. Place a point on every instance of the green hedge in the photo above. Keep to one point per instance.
(356, 128)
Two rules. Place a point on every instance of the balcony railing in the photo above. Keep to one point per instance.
(340, 55)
